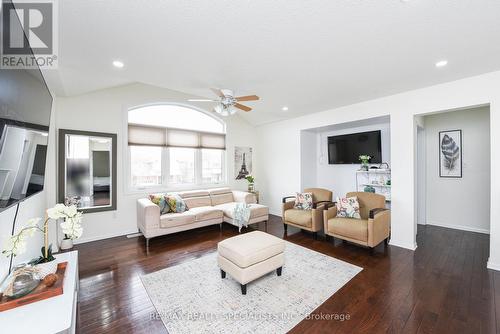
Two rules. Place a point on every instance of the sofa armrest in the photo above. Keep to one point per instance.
(148, 215)
(244, 197)
(379, 226)
(286, 206)
(328, 214)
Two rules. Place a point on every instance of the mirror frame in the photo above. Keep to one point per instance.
(62, 167)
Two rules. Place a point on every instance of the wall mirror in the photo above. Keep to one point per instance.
(87, 170)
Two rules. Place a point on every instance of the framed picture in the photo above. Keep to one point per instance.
(242, 162)
(450, 153)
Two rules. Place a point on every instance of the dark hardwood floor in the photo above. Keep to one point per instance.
(442, 287)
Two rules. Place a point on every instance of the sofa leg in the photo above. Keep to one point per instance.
(372, 250)
(315, 235)
(386, 241)
(279, 270)
(285, 227)
(222, 274)
(266, 225)
(147, 246)
(327, 237)
(243, 289)
(220, 227)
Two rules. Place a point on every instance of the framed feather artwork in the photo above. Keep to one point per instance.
(450, 153)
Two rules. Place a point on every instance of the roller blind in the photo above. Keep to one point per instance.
(170, 137)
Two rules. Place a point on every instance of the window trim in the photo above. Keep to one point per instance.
(165, 186)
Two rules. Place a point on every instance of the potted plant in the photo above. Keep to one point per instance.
(251, 183)
(71, 227)
(365, 159)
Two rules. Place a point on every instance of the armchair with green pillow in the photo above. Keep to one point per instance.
(305, 210)
(370, 229)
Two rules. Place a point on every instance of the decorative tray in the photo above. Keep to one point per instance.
(41, 292)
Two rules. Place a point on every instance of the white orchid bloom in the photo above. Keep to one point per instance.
(57, 212)
(70, 211)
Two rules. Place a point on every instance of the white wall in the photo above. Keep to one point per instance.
(471, 193)
(105, 111)
(341, 179)
(279, 164)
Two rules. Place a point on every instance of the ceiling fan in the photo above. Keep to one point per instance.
(227, 101)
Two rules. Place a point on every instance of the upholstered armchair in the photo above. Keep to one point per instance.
(309, 220)
(373, 227)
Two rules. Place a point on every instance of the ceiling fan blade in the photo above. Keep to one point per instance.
(247, 98)
(217, 92)
(202, 100)
(242, 107)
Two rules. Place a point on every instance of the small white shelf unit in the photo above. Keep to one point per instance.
(377, 178)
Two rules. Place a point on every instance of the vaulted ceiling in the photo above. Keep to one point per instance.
(308, 55)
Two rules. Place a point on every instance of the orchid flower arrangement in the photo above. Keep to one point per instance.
(71, 227)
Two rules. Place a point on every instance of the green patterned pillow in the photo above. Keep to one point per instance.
(176, 203)
(159, 199)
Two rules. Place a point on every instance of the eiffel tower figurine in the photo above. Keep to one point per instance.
(243, 170)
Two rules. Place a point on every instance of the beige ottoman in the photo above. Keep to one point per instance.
(249, 256)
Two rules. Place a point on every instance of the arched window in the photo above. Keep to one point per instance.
(175, 147)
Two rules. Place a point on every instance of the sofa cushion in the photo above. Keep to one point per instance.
(352, 228)
(194, 193)
(299, 217)
(194, 202)
(222, 198)
(250, 248)
(218, 191)
(256, 210)
(177, 219)
(206, 212)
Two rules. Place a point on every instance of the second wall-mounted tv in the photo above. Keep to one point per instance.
(346, 149)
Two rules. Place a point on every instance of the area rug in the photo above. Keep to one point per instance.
(193, 298)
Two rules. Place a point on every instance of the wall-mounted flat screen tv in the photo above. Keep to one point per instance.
(25, 107)
(346, 149)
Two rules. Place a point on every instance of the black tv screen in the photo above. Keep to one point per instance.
(25, 107)
(346, 149)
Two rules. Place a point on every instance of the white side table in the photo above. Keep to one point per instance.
(49, 316)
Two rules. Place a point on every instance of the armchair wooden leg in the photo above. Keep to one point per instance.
(243, 289)
(386, 241)
(222, 274)
(285, 227)
(315, 235)
(372, 250)
(278, 271)
(147, 246)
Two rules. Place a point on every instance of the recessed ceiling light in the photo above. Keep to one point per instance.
(441, 63)
(284, 108)
(118, 64)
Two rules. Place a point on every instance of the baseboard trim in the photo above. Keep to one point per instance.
(459, 227)
(492, 265)
(403, 245)
(106, 236)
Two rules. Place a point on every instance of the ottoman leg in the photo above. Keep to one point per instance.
(278, 271)
(243, 289)
(222, 273)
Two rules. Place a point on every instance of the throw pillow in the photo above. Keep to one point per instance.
(303, 201)
(159, 199)
(176, 203)
(348, 207)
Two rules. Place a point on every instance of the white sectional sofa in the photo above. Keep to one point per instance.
(205, 207)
